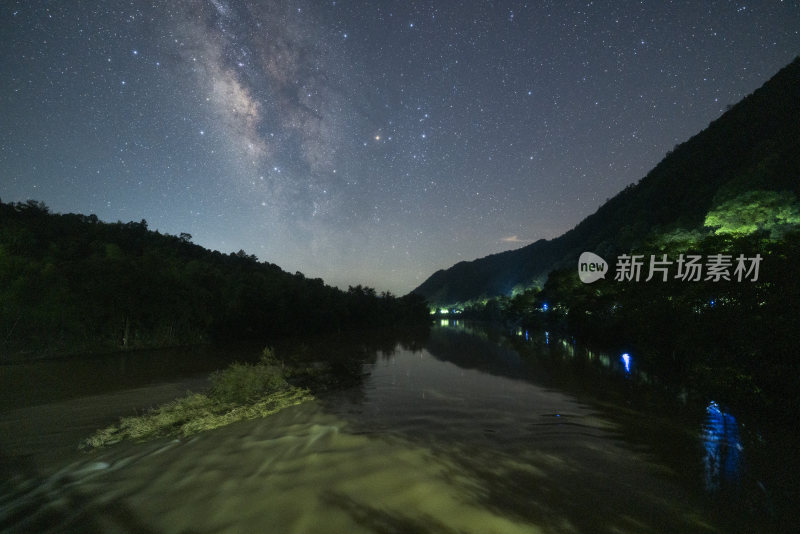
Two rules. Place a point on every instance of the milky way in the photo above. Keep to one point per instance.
(364, 142)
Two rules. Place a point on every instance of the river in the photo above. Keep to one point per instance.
(459, 430)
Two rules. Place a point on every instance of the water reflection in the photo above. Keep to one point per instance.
(38, 382)
(568, 348)
(723, 448)
(453, 430)
(626, 361)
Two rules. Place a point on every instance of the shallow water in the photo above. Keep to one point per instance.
(423, 445)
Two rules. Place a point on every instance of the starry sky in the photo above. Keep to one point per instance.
(364, 142)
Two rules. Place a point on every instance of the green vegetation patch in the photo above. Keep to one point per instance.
(242, 383)
(239, 392)
(775, 212)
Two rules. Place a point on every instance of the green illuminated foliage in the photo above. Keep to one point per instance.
(770, 211)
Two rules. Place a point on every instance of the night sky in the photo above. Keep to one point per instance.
(364, 142)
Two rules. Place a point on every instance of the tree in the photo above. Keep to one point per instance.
(771, 211)
(33, 206)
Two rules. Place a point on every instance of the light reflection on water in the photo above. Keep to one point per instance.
(723, 452)
(441, 439)
(626, 361)
(723, 448)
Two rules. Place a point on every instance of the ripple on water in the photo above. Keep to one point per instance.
(481, 454)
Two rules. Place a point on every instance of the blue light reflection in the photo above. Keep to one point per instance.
(626, 360)
(723, 448)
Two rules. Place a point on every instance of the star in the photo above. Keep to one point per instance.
(286, 111)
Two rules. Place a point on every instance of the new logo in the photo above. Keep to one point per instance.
(591, 267)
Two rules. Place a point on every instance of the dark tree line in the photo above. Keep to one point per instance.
(71, 283)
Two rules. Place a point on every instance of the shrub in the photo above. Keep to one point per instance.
(241, 383)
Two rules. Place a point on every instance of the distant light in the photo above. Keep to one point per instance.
(444, 311)
(712, 302)
(545, 307)
(626, 360)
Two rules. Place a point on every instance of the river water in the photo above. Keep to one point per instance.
(457, 431)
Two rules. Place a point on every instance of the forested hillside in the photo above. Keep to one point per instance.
(71, 283)
(754, 146)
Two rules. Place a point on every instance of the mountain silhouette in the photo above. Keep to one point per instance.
(754, 145)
